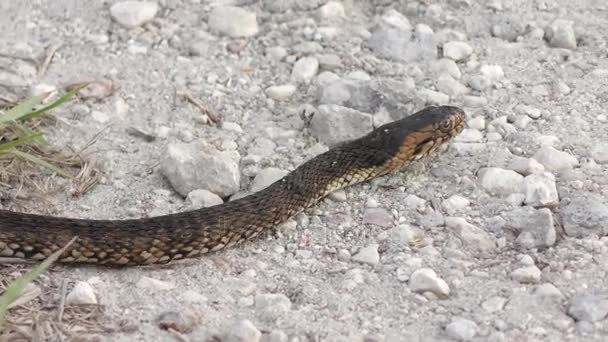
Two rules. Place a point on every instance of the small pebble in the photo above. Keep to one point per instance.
(243, 331)
(526, 275)
(368, 255)
(461, 329)
(82, 293)
(425, 279)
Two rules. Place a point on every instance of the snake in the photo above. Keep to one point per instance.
(188, 234)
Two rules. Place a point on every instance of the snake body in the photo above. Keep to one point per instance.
(189, 234)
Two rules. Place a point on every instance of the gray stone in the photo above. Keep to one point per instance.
(276, 52)
(472, 236)
(457, 50)
(561, 34)
(509, 28)
(393, 38)
(304, 70)
(535, 228)
(494, 304)
(589, 307)
(425, 279)
(329, 61)
(526, 275)
(599, 152)
(266, 177)
(277, 336)
(500, 181)
(446, 84)
(233, 21)
(201, 198)
(480, 82)
(377, 216)
(281, 92)
(131, 14)
(189, 167)
(585, 214)
(243, 331)
(540, 190)
(478, 123)
(355, 94)
(333, 124)
(272, 305)
(368, 255)
(307, 48)
(548, 290)
(461, 329)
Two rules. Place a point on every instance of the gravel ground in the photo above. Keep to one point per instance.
(502, 238)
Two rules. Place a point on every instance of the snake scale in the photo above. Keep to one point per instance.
(189, 234)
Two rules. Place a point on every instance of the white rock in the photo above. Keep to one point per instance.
(554, 160)
(456, 50)
(548, 290)
(333, 124)
(478, 123)
(473, 236)
(201, 198)
(368, 255)
(599, 152)
(540, 190)
(527, 275)
(434, 97)
(266, 177)
(243, 331)
(100, 117)
(189, 167)
(280, 92)
(232, 126)
(233, 21)
(532, 112)
(561, 34)
(493, 72)
(525, 166)
(425, 279)
(154, 284)
(272, 305)
(304, 70)
(446, 84)
(589, 307)
(82, 293)
(535, 227)
(500, 181)
(404, 235)
(131, 14)
(493, 304)
(469, 135)
(461, 329)
(446, 66)
(455, 203)
(331, 10)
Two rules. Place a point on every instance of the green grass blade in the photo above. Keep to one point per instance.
(6, 147)
(41, 162)
(23, 131)
(67, 96)
(14, 290)
(22, 109)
